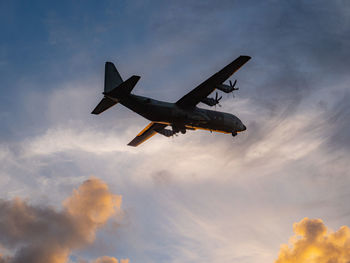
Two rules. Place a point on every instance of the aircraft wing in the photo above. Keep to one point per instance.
(202, 91)
(150, 130)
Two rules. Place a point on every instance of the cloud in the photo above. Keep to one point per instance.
(43, 234)
(287, 160)
(314, 243)
(106, 259)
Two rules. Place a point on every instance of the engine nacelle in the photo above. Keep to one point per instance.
(226, 88)
(209, 101)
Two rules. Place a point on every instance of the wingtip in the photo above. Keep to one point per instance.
(246, 57)
(136, 76)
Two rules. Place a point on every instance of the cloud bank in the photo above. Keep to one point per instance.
(314, 243)
(43, 234)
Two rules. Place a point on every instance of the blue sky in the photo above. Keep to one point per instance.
(199, 197)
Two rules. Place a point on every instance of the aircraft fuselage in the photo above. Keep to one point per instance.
(182, 118)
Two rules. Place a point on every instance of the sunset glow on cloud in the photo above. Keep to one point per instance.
(39, 234)
(106, 259)
(313, 242)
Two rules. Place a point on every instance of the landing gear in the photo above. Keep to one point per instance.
(177, 129)
(234, 134)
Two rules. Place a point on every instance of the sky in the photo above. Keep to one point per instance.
(277, 192)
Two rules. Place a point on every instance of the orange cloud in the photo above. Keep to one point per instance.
(43, 235)
(109, 260)
(314, 243)
(90, 206)
(106, 260)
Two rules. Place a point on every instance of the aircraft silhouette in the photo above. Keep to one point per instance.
(180, 116)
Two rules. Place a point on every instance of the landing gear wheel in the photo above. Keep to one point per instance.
(234, 134)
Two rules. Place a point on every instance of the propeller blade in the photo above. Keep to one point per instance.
(234, 83)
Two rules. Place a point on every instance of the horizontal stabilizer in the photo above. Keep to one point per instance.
(124, 88)
(104, 104)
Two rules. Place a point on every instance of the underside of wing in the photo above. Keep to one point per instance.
(150, 130)
(192, 98)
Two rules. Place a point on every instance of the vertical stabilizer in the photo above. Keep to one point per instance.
(112, 77)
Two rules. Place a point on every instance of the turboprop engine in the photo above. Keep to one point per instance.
(227, 88)
(212, 101)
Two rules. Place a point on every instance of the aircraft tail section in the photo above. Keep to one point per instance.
(123, 89)
(112, 77)
(114, 89)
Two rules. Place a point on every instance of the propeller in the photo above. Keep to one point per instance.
(217, 100)
(233, 87)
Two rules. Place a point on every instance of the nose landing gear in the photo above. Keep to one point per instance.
(234, 134)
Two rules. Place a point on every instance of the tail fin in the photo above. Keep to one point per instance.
(112, 77)
(114, 88)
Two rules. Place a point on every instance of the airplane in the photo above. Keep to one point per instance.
(180, 116)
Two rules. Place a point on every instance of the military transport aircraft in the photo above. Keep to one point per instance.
(180, 116)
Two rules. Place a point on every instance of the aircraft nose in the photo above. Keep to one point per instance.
(244, 128)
